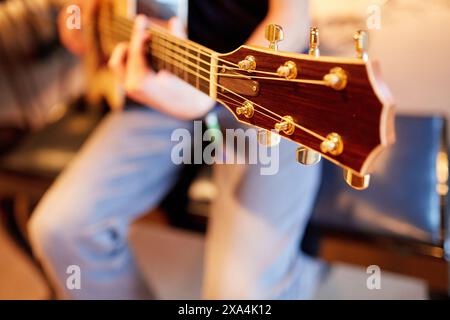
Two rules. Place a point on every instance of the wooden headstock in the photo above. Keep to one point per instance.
(337, 108)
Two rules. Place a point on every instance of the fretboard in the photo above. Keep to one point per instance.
(186, 59)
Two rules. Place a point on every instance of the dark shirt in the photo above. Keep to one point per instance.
(224, 25)
(221, 25)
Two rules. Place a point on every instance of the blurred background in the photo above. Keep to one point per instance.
(400, 224)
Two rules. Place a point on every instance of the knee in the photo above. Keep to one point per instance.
(229, 281)
(46, 231)
(67, 232)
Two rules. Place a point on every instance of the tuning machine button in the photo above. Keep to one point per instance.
(307, 157)
(361, 44)
(336, 79)
(267, 138)
(355, 180)
(288, 70)
(274, 34)
(247, 110)
(248, 64)
(287, 126)
(314, 42)
(333, 144)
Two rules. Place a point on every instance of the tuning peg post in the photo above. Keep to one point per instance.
(267, 138)
(274, 34)
(247, 109)
(333, 144)
(314, 42)
(307, 157)
(248, 64)
(356, 181)
(361, 44)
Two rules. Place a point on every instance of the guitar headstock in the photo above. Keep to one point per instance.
(337, 108)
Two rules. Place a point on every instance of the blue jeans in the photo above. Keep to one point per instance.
(125, 169)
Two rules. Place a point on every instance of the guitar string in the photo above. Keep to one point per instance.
(127, 26)
(242, 76)
(126, 35)
(303, 81)
(234, 103)
(184, 63)
(162, 55)
(277, 115)
(180, 59)
(177, 58)
(171, 59)
(318, 136)
(164, 34)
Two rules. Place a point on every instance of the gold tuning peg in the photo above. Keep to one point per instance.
(247, 109)
(286, 126)
(267, 138)
(361, 44)
(274, 34)
(336, 79)
(248, 64)
(314, 42)
(307, 157)
(333, 144)
(356, 181)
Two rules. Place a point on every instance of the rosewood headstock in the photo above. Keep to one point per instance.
(337, 108)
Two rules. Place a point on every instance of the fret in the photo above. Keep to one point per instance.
(173, 52)
(169, 65)
(181, 64)
(197, 80)
(186, 77)
(159, 47)
(185, 59)
(169, 56)
(191, 58)
(154, 49)
(166, 65)
(176, 65)
(204, 75)
(197, 61)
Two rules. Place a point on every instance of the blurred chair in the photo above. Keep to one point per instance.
(28, 170)
(19, 276)
(401, 222)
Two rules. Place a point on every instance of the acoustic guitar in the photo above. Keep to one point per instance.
(335, 108)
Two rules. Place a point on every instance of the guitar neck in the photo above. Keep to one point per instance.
(185, 59)
(191, 62)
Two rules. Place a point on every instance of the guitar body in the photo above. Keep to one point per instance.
(102, 84)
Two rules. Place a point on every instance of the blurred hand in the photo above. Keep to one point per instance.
(161, 90)
(75, 40)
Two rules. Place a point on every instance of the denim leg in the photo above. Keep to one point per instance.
(257, 223)
(123, 171)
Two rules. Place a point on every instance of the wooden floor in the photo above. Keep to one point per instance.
(21, 279)
(171, 262)
(19, 276)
